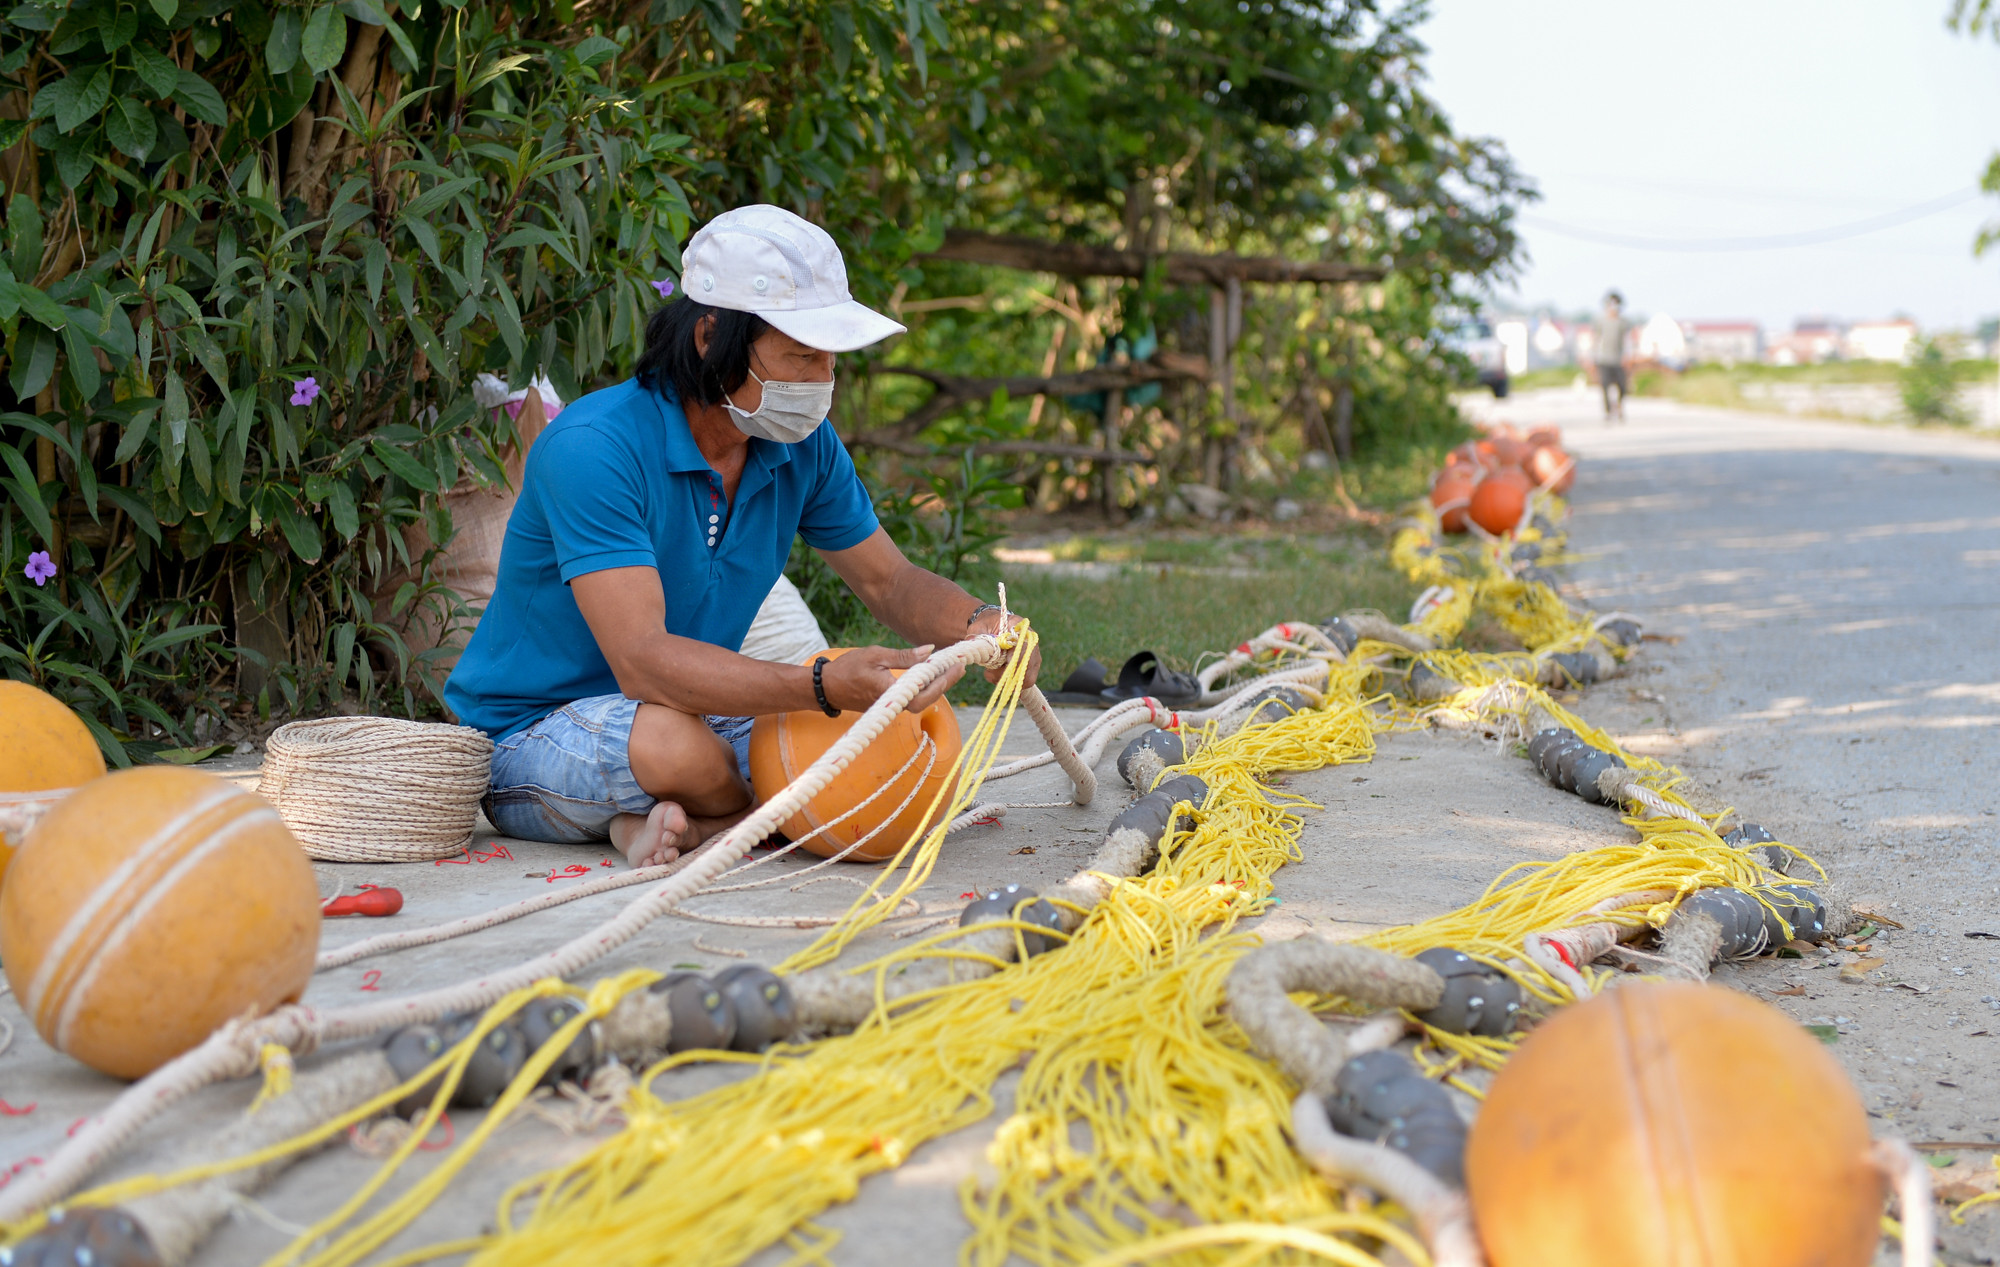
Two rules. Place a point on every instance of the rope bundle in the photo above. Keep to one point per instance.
(377, 789)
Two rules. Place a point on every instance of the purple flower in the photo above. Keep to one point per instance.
(664, 286)
(40, 568)
(305, 390)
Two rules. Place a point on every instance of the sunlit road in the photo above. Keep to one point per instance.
(1836, 590)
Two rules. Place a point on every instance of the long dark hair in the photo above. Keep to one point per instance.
(671, 360)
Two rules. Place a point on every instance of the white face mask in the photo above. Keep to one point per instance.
(788, 413)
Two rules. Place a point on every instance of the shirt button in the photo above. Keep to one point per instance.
(714, 518)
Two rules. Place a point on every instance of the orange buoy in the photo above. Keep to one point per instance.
(1641, 1127)
(915, 754)
(44, 748)
(1500, 499)
(1451, 492)
(1551, 468)
(1503, 450)
(151, 906)
(1546, 434)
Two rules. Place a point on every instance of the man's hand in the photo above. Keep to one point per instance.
(989, 623)
(856, 680)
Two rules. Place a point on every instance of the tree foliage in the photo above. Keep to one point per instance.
(255, 253)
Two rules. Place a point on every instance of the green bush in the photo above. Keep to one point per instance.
(253, 258)
(1929, 386)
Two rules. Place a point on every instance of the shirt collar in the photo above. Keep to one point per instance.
(684, 455)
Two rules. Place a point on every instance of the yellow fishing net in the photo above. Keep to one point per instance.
(1142, 1128)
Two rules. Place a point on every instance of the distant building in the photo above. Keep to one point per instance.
(1811, 341)
(1881, 340)
(1550, 342)
(1661, 340)
(1725, 342)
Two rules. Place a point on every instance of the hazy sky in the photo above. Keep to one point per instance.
(1735, 119)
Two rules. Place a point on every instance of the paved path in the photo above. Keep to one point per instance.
(1836, 589)
(1838, 678)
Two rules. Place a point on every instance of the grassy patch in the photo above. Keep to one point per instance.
(1191, 612)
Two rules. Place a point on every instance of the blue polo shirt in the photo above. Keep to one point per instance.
(615, 481)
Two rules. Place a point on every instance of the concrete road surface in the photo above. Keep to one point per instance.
(1837, 678)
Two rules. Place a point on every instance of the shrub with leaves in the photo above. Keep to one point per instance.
(1929, 387)
(254, 256)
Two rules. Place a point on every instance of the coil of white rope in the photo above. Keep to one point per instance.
(377, 789)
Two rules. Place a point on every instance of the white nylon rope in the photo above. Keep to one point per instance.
(435, 933)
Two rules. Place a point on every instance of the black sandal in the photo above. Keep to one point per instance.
(1084, 685)
(1144, 675)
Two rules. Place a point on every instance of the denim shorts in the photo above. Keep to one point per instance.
(563, 779)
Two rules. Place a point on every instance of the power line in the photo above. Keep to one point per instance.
(1811, 237)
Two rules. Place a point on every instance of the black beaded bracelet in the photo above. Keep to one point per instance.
(819, 688)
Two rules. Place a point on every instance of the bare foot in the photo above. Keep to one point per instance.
(652, 839)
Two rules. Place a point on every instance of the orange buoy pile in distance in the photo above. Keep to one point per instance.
(44, 747)
(1643, 1127)
(1488, 481)
(895, 775)
(148, 908)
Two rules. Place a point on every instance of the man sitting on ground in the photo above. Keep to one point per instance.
(653, 519)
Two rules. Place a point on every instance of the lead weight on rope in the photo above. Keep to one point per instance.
(1555, 742)
(1381, 1097)
(1747, 928)
(765, 1013)
(1762, 845)
(1341, 634)
(1803, 908)
(1477, 999)
(85, 1236)
(1585, 770)
(1554, 756)
(1291, 698)
(498, 1057)
(1427, 684)
(1017, 902)
(1142, 760)
(1578, 667)
(1540, 741)
(1042, 912)
(1537, 575)
(1623, 633)
(410, 1050)
(699, 1018)
(541, 1019)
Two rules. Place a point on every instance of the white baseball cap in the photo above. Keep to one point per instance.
(787, 270)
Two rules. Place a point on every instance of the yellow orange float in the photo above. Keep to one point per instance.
(887, 770)
(1643, 1126)
(1451, 492)
(1500, 500)
(44, 748)
(149, 907)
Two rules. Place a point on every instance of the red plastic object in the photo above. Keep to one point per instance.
(370, 901)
